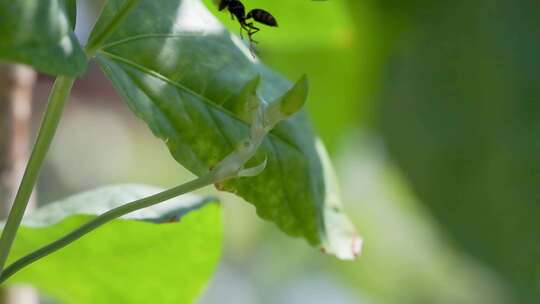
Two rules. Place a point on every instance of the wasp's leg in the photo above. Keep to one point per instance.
(244, 27)
(252, 27)
(241, 35)
(252, 30)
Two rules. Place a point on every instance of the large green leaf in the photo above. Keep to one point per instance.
(183, 73)
(154, 255)
(39, 33)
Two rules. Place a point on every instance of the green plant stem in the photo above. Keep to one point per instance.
(97, 40)
(57, 99)
(106, 217)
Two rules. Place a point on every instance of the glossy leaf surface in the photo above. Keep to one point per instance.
(39, 33)
(184, 74)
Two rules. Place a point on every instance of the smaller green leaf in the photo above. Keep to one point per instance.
(39, 33)
(130, 260)
(289, 103)
(295, 98)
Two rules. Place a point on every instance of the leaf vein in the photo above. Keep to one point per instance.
(203, 98)
(146, 36)
(283, 186)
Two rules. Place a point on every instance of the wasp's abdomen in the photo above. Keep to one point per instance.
(263, 17)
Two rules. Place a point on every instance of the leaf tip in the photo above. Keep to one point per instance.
(252, 85)
(345, 249)
(295, 98)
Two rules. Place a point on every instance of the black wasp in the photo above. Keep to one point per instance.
(237, 9)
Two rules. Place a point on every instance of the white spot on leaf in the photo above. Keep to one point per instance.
(66, 45)
(192, 16)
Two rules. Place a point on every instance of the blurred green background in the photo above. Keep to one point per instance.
(431, 112)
